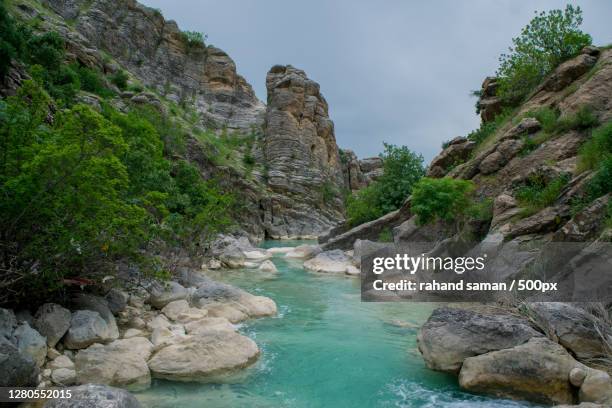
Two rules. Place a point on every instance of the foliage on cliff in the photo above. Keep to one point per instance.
(443, 199)
(82, 189)
(549, 39)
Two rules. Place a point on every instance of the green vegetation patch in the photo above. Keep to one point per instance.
(402, 169)
(539, 193)
(445, 199)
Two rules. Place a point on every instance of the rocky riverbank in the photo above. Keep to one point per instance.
(538, 353)
(180, 330)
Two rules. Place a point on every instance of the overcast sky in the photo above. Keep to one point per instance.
(395, 71)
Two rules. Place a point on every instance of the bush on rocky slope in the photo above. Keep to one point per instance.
(445, 199)
(549, 39)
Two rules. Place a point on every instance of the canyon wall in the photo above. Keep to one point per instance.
(159, 54)
(299, 191)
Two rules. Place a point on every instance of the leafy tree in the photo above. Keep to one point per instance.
(445, 199)
(402, 169)
(64, 210)
(549, 39)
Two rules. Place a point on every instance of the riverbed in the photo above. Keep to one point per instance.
(325, 349)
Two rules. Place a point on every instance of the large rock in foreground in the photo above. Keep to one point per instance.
(536, 371)
(203, 357)
(451, 335)
(122, 363)
(90, 395)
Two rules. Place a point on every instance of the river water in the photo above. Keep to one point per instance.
(325, 349)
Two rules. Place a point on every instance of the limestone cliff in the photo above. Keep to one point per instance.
(360, 173)
(294, 184)
(301, 155)
(157, 52)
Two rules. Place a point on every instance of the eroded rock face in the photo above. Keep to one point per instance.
(575, 329)
(302, 156)
(489, 104)
(451, 335)
(457, 152)
(359, 173)
(155, 50)
(567, 72)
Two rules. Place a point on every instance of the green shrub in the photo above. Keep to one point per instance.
(583, 119)
(385, 235)
(88, 190)
(363, 206)
(402, 168)
(596, 149)
(601, 183)
(538, 194)
(248, 160)
(549, 39)
(63, 207)
(328, 192)
(547, 117)
(92, 81)
(444, 199)
(46, 50)
(120, 79)
(552, 125)
(64, 86)
(481, 210)
(193, 39)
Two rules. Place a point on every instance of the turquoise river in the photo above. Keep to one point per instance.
(325, 349)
